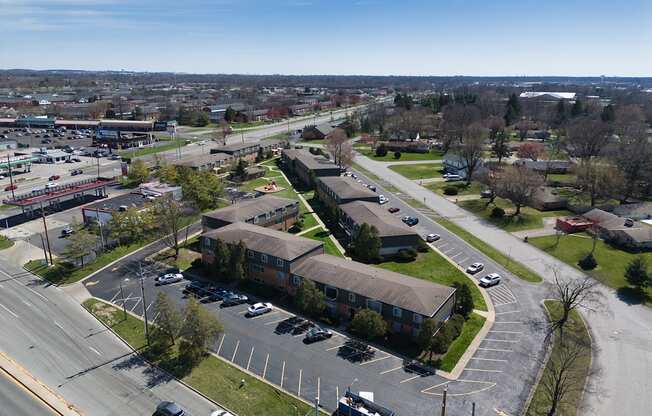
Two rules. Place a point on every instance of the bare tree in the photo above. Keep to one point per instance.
(490, 178)
(586, 137)
(522, 126)
(600, 180)
(470, 147)
(456, 118)
(518, 184)
(572, 294)
(169, 216)
(495, 125)
(339, 146)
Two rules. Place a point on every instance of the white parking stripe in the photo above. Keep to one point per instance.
(335, 347)
(435, 386)
(8, 310)
(235, 351)
(149, 306)
(265, 369)
(488, 359)
(494, 349)
(499, 340)
(409, 379)
(506, 312)
(505, 332)
(376, 360)
(94, 350)
(275, 321)
(441, 246)
(464, 260)
(453, 256)
(115, 296)
(483, 370)
(134, 307)
(300, 374)
(221, 342)
(389, 371)
(249, 360)
(265, 315)
(282, 374)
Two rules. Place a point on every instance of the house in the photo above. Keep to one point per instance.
(624, 232)
(549, 166)
(103, 210)
(299, 109)
(393, 233)
(572, 225)
(546, 198)
(318, 132)
(307, 166)
(252, 172)
(456, 164)
(213, 161)
(637, 211)
(337, 190)
(266, 211)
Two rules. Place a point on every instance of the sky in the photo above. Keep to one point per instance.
(370, 37)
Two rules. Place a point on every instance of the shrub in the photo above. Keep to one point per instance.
(422, 247)
(450, 190)
(497, 212)
(406, 255)
(588, 262)
(381, 151)
(397, 155)
(454, 325)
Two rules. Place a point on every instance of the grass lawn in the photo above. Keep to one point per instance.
(187, 254)
(431, 266)
(250, 124)
(309, 142)
(457, 348)
(612, 261)
(540, 402)
(419, 171)
(212, 376)
(529, 218)
(320, 234)
(513, 266)
(5, 242)
(568, 178)
(169, 145)
(462, 188)
(389, 157)
(577, 197)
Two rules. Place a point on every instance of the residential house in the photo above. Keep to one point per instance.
(212, 162)
(307, 166)
(546, 198)
(549, 166)
(266, 211)
(624, 232)
(318, 132)
(337, 190)
(300, 109)
(456, 164)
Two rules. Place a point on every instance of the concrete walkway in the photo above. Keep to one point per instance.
(414, 162)
(621, 331)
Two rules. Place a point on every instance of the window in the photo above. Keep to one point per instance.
(250, 254)
(296, 280)
(352, 297)
(331, 293)
(280, 276)
(263, 258)
(207, 243)
(417, 319)
(279, 262)
(374, 305)
(397, 312)
(256, 268)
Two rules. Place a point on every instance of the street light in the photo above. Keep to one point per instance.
(348, 389)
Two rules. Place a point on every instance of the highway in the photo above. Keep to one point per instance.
(15, 400)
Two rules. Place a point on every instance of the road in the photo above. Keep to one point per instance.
(48, 333)
(15, 400)
(621, 332)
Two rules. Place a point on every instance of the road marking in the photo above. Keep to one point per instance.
(155, 316)
(275, 322)
(95, 351)
(249, 360)
(448, 251)
(500, 340)
(490, 385)
(337, 394)
(36, 293)
(389, 371)
(59, 325)
(265, 369)
(480, 369)
(411, 378)
(235, 351)
(493, 349)
(442, 246)
(464, 260)
(503, 313)
(335, 347)
(455, 255)
(26, 302)
(318, 388)
(149, 306)
(115, 296)
(488, 359)
(92, 283)
(435, 386)
(8, 310)
(265, 315)
(242, 312)
(508, 322)
(221, 342)
(282, 374)
(300, 374)
(375, 360)
(506, 332)
(134, 307)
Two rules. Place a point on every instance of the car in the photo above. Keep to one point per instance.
(66, 231)
(259, 308)
(410, 221)
(431, 238)
(76, 159)
(54, 178)
(166, 408)
(452, 178)
(487, 193)
(168, 278)
(317, 334)
(491, 279)
(115, 157)
(234, 299)
(51, 185)
(393, 210)
(217, 294)
(221, 413)
(382, 199)
(10, 187)
(474, 268)
(372, 187)
(197, 288)
(76, 172)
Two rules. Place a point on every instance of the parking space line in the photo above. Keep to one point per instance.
(441, 246)
(267, 315)
(275, 321)
(500, 340)
(435, 386)
(300, 374)
(265, 369)
(94, 350)
(318, 388)
(464, 260)
(249, 360)
(376, 360)
(235, 351)
(149, 306)
(282, 374)
(115, 296)
(337, 394)
(507, 322)
(448, 251)
(455, 255)
(494, 349)
(242, 312)
(483, 370)
(155, 316)
(409, 379)
(335, 347)
(134, 307)
(506, 312)
(221, 342)
(488, 359)
(506, 332)
(389, 371)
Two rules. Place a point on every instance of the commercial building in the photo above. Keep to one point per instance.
(266, 211)
(337, 190)
(52, 156)
(158, 189)
(103, 210)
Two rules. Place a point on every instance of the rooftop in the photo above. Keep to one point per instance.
(114, 204)
(346, 187)
(250, 208)
(374, 214)
(311, 161)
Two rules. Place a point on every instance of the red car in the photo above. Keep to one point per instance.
(393, 210)
(54, 177)
(10, 187)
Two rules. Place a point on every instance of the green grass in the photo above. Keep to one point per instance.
(612, 261)
(529, 218)
(213, 377)
(568, 178)
(579, 198)
(579, 372)
(435, 268)
(249, 124)
(419, 171)
(518, 269)
(130, 153)
(5, 242)
(5, 207)
(309, 142)
(458, 347)
(320, 234)
(389, 157)
(462, 188)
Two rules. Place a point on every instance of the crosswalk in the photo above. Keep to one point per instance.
(501, 295)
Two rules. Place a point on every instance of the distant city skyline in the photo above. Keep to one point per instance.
(303, 37)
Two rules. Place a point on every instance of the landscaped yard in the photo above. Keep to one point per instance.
(5, 242)
(540, 403)
(213, 377)
(458, 347)
(568, 178)
(169, 145)
(389, 157)
(579, 198)
(187, 254)
(321, 235)
(462, 188)
(433, 267)
(419, 171)
(529, 218)
(612, 262)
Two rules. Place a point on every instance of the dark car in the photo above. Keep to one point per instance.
(410, 221)
(54, 178)
(217, 294)
(234, 299)
(10, 187)
(76, 172)
(393, 210)
(197, 288)
(168, 409)
(317, 334)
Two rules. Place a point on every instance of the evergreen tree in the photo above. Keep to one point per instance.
(512, 110)
(463, 299)
(366, 243)
(237, 261)
(608, 114)
(560, 114)
(222, 255)
(229, 115)
(240, 169)
(501, 146)
(577, 108)
(636, 273)
(309, 299)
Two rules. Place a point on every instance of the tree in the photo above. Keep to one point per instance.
(600, 180)
(637, 275)
(381, 150)
(200, 329)
(138, 172)
(237, 261)
(222, 257)
(531, 151)
(200, 119)
(456, 118)
(260, 156)
(561, 114)
(425, 336)
(203, 190)
(495, 125)
(572, 294)
(168, 173)
(608, 114)
(470, 149)
(131, 225)
(500, 146)
(518, 184)
(368, 324)
(512, 109)
(491, 179)
(463, 299)
(523, 126)
(240, 170)
(633, 156)
(169, 217)
(229, 114)
(366, 243)
(339, 146)
(168, 321)
(586, 137)
(309, 299)
(80, 244)
(576, 108)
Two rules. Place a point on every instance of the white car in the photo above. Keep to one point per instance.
(474, 268)
(382, 199)
(51, 185)
(259, 308)
(452, 178)
(169, 278)
(490, 280)
(431, 238)
(221, 413)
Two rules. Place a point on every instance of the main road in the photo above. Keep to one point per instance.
(18, 401)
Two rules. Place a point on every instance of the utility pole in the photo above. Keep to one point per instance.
(99, 224)
(316, 406)
(473, 409)
(124, 306)
(142, 294)
(45, 253)
(443, 402)
(98, 166)
(47, 238)
(11, 178)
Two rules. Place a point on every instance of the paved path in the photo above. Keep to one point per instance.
(414, 162)
(621, 332)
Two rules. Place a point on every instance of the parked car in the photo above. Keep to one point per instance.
(166, 408)
(197, 289)
(431, 238)
(474, 268)
(66, 231)
(76, 172)
(168, 278)
(221, 413)
(10, 187)
(54, 178)
(51, 185)
(217, 294)
(393, 210)
(317, 334)
(372, 187)
(259, 308)
(491, 279)
(487, 193)
(235, 299)
(410, 221)
(382, 199)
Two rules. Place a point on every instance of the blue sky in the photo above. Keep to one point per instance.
(402, 37)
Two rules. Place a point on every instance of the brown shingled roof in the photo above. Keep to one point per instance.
(250, 208)
(374, 214)
(347, 188)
